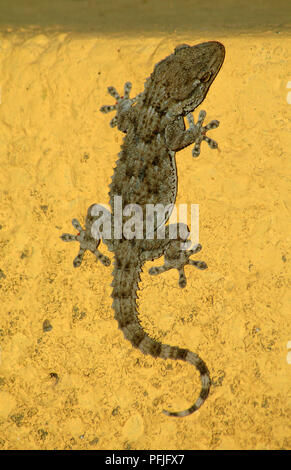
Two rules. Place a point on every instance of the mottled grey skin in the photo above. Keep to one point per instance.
(145, 173)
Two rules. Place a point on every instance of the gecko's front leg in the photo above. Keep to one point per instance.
(177, 137)
(123, 107)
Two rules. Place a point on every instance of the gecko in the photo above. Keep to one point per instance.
(145, 174)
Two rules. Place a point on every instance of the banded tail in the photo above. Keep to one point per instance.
(125, 284)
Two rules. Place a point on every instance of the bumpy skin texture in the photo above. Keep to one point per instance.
(145, 173)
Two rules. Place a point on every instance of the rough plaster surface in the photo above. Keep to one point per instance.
(57, 156)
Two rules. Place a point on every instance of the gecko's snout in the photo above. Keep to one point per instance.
(216, 49)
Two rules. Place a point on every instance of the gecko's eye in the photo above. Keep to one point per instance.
(206, 77)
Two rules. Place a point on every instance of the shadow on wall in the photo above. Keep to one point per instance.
(147, 16)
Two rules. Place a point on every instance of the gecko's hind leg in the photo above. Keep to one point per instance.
(86, 240)
(177, 258)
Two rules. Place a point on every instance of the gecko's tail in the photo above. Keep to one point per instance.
(141, 340)
(172, 352)
(125, 282)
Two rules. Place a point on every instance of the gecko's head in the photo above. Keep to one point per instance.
(187, 74)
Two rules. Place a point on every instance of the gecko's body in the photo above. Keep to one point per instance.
(145, 173)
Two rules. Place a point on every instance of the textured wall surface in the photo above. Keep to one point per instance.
(79, 384)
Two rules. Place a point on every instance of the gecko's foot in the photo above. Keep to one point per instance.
(87, 242)
(177, 259)
(202, 132)
(119, 99)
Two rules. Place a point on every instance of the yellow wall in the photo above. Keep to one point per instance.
(57, 154)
